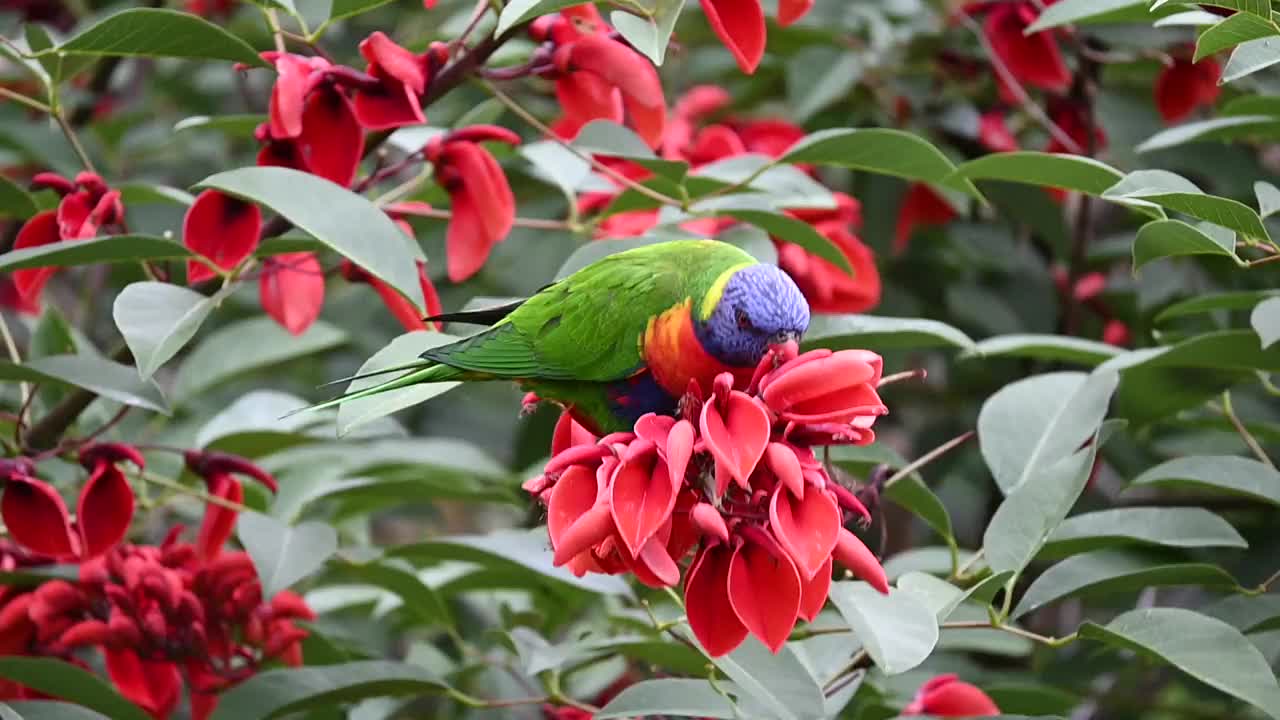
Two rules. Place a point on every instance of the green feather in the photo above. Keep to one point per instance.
(581, 333)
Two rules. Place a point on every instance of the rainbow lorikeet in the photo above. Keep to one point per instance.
(624, 336)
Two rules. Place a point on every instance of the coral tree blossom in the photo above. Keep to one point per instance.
(1185, 85)
(734, 481)
(948, 696)
(740, 25)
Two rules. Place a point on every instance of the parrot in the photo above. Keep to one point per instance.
(624, 336)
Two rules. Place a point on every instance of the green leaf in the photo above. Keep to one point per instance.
(15, 203)
(1107, 571)
(284, 554)
(1247, 613)
(897, 630)
(877, 150)
(819, 76)
(1173, 192)
(1268, 198)
(420, 601)
(911, 493)
(99, 375)
(1045, 347)
(280, 692)
(516, 552)
(238, 125)
(602, 137)
(157, 319)
(943, 598)
(1068, 172)
(650, 35)
(1213, 302)
(519, 11)
(840, 332)
(1067, 12)
(69, 682)
(780, 683)
(257, 342)
(1250, 57)
(676, 697)
(1265, 320)
(755, 211)
(554, 163)
(346, 222)
(1221, 350)
(1239, 28)
(404, 349)
(1031, 424)
(346, 8)
(1033, 510)
(1261, 8)
(1217, 129)
(1208, 650)
(46, 710)
(1170, 527)
(1173, 238)
(1228, 473)
(151, 32)
(117, 248)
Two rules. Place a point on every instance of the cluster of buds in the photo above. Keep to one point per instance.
(156, 613)
(736, 477)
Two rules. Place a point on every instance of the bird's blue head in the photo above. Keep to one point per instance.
(758, 306)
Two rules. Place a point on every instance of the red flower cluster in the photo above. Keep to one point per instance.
(736, 475)
(828, 288)
(87, 208)
(1184, 85)
(157, 613)
(1087, 291)
(948, 696)
(597, 76)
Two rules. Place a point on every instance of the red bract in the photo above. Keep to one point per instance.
(291, 290)
(948, 696)
(483, 207)
(598, 78)
(828, 288)
(743, 480)
(740, 26)
(921, 207)
(1185, 85)
(37, 517)
(1034, 60)
(395, 100)
(223, 229)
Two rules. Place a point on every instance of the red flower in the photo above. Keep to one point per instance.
(789, 11)
(483, 208)
(218, 470)
(1185, 85)
(395, 99)
(740, 26)
(771, 524)
(921, 207)
(221, 228)
(37, 517)
(87, 205)
(948, 696)
(1034, 60)
(291, 290)
(994, 133)
(1115, 332)
(311, 124)
(771, 137)
(12, 299)
(694, 106)
(332, 142)
(289, 94)
(1070, 117)
(830, 289)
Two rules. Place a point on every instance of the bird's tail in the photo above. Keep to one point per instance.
(423, 371)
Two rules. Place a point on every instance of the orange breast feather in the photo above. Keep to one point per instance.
(675, 356)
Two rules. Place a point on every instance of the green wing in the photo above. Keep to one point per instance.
(587, 326)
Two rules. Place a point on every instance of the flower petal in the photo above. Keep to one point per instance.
(37, 518)
(218, 522)
(569, 433)
(854, 555)
(222, 228)
(740, 26)
(104, 511)
(331, 141)
(782, 460)
(738, 439)
(642, 496)
(679, 449)
(706, 598)
(41, 229)
(288, 95)
(813, 592)
(619, 66)
(655, 558)
(807, 529)
(156, 686)
(790, 11)
(764, 590)
(291, 290)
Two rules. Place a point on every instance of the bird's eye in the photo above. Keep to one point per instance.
(744, 322)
